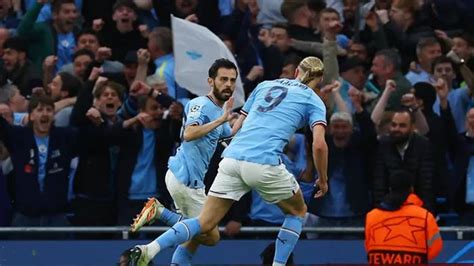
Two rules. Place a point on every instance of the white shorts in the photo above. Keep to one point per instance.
(236, 178)
(188, 201)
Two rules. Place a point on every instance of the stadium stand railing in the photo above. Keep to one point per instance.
(124, 230)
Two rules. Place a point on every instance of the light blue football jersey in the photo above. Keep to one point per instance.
(275, 110)
(192, 158)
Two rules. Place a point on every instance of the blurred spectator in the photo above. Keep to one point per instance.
(146, 14)
(328, 16)
(299, 17)
(401, 212)
(450, 16)
(280, 38)
(205, 13)
(93, 9)
(63, 90)
(359, 50)
(146, 142)
(442, 131)
(157, 83)
(386, 65)
(463, 48)
(8, 19)
(289, 66)
(41, 156)
(124, 35)
(348, 168)
(459, 98)
(46, 38)
(404, 28)
(254, 47)
(353, 74)
(404, 149)
(427, 50)
(81, 61)
(349, 15)
(461, 189)
(5, 172)
(88, 40)
(95, 177)
(10, 95)
(4, 35)
(45, 13)
(270, 12)
(17, 69)
(160, 45)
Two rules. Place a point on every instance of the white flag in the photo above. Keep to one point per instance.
(195, 49)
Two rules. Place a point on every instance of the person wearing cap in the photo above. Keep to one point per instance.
(17, 69)
(353, 74)
(399, 230)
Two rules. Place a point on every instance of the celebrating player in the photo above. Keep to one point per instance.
(206, 121)
(271, 115)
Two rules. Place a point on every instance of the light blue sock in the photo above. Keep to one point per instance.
(287, 238)
(182, 256)
(181, 232)
(170, 218)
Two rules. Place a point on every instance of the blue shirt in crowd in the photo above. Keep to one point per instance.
(143, 184)
(65, 49)
(42, 145)
(459, 102)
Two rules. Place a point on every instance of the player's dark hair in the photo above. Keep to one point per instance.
(221, 63)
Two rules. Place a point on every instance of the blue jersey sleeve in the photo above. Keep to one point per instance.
(248, 104)
(195, 114)
(227, 132)
(316, 111)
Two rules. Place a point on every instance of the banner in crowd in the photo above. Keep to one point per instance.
(195, 49)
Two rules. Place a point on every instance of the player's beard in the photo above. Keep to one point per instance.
(219, 95)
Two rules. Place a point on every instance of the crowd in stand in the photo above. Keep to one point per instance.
(90, 110)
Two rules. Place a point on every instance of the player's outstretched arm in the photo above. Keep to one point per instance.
(193, 132)
(320, 157)
(238, 124)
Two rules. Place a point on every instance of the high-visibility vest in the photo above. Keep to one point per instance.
(409, 235)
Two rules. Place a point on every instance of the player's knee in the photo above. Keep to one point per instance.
(211, 239)
(206, 225)
(299, 210)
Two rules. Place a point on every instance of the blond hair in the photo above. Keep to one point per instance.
(312, 68)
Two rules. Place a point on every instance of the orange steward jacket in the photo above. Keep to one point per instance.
(408, 235)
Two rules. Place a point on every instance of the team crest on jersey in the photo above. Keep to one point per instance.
(194, 112)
